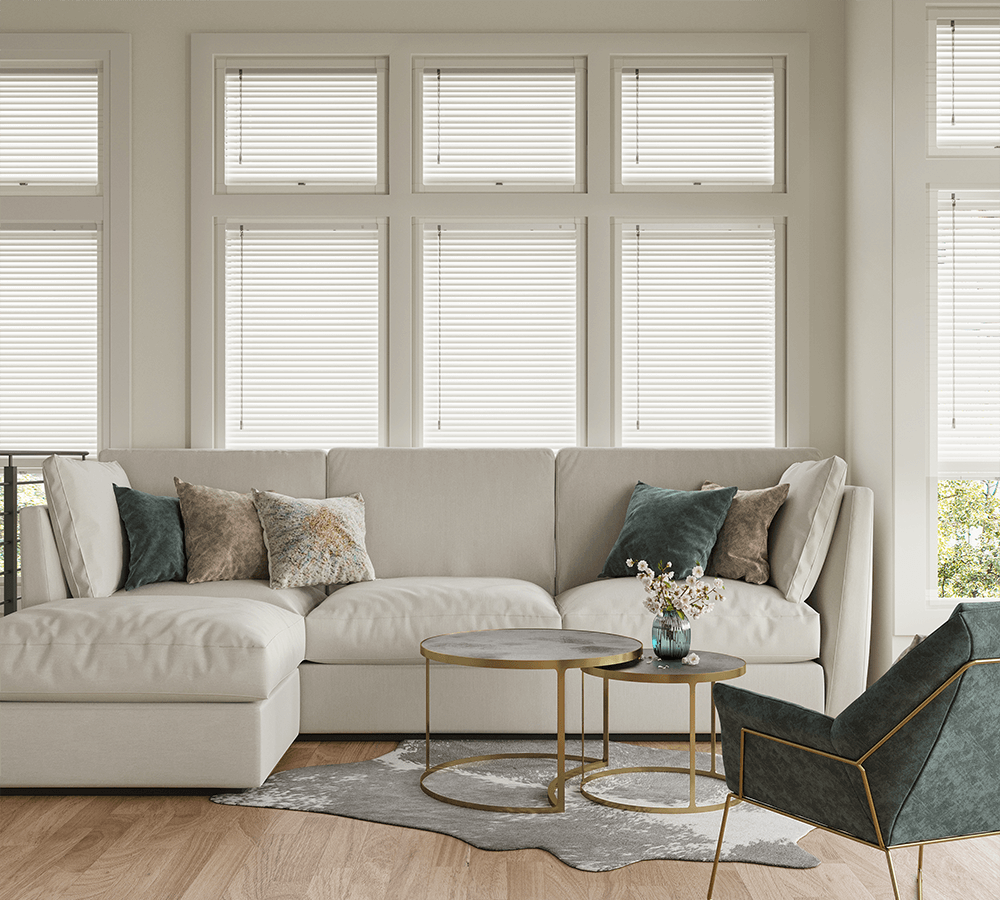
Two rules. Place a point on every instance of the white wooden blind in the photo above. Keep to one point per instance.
(966, 80)
(486, 127)
(968, 334)
(301, 335)
(50, 313)
(698, 125)
(49, 127)
(302, 127)
(698, 334)
(500, 311)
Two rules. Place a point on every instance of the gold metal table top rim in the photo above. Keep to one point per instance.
(606, 659)
(679, 674)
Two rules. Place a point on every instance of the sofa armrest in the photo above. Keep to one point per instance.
(42, 576)
(843, 598)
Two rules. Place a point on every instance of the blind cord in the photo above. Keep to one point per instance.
(440, 349)
(952, 72)
(637, 330)
(637, 117)
(954, 249)
(439, 126)
(241, 123)
(241, 327)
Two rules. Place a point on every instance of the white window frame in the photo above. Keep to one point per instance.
(780, 390)
(934, 15)
(419, 301)
(776, 63)
(220, 323)
(109, 209)
(404, 204)
(577, 63)
(222, 63)
(916, 607)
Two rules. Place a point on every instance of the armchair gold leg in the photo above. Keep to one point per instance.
(718, 849)
(892, 875)
(920, 873)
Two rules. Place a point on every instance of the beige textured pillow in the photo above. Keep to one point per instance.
(314, 541)
(741, 547)
(222, 535)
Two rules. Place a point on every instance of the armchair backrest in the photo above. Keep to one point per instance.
(935, 776)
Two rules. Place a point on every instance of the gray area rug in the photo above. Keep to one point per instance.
(587, 836)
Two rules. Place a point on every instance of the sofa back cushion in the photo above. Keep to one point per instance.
(298, 473)
(466, 512)
(594, 484)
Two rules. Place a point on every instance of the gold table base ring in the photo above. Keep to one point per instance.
(588, 763)
(631, 807)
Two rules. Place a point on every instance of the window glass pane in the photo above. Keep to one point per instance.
(968, 333)
(698, 344)
(49, 365)
(301, 127)
(302, 336)
(49, 127)
(967, 80)
(697, 126)
(969, 538)
(490, 127)
(500, 335)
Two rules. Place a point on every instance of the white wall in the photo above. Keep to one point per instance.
(160, 149)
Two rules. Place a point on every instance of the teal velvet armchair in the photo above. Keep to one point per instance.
(914, 760)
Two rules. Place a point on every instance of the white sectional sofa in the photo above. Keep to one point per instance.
(206, 685)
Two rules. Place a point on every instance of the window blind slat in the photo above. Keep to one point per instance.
(49, 127)
(500, 336)
(698, 342)
(49, 365)
(490, 127)
(315, 127)
(968, 332)
(302, 337)
(700, 126)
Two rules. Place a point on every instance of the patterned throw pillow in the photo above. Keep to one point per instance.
(314, 541)
(222, 534)
(741, 548)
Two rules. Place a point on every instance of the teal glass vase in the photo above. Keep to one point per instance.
(671, 635)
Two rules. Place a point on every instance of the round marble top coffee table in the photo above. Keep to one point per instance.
(711, 667)
(525, 648)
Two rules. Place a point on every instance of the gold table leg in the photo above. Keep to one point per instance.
(556, 788)
(691, 770)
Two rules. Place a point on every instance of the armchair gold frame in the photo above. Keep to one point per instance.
(857, 764)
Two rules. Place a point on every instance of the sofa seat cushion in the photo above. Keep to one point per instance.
(754, 622)
(153, 648)
(385, 620)
(299, 600)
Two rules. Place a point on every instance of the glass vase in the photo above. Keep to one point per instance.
(671, 635)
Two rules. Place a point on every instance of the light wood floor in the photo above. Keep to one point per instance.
(183, 847)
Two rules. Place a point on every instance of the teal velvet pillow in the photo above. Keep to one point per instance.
(155, 537)
(664, 525)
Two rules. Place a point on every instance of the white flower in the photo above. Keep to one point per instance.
(690, 597)
(691, 659)
(697, 571)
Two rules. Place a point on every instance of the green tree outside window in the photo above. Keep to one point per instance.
(969, 538)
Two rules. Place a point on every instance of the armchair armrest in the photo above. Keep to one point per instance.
(804, 777)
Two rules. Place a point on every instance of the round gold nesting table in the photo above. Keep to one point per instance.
(649, 668)
(525, 648)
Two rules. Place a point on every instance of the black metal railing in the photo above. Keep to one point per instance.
(10, 540)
